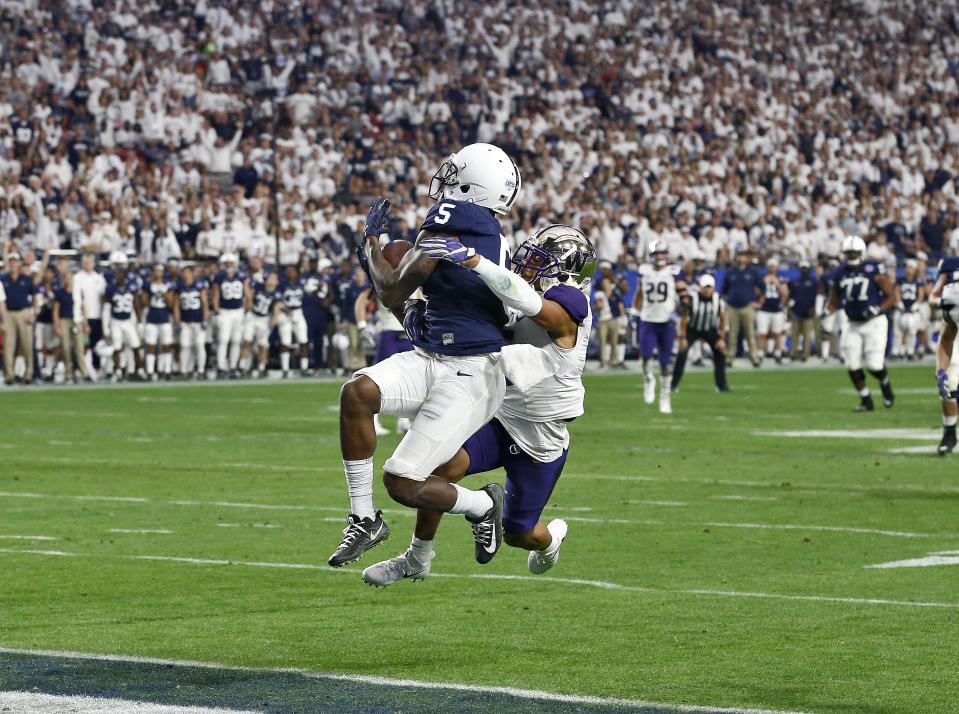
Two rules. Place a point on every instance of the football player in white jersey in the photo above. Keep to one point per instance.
(660, 291)
(528, 437)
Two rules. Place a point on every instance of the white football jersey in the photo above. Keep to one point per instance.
(659, 293)
(536, 419)
(950, 301)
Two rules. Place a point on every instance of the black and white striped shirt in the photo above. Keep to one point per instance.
(704, 313)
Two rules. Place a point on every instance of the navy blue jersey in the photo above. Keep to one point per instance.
(65, 298)
(121, 297)
(19, 292)
(858, 290)
(191, 301)
(910, 290)
(463, 317)
(263, 300)
(803, 291)
(740, 285)
(158, 312)
(45, 302)
(949, 267)
(231, 290)
(292, 293)
(773, 300)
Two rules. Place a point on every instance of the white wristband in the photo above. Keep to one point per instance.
(509, 287)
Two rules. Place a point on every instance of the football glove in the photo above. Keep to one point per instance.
(414, 312)
(445, 248)
(375, 220)
(942, 381)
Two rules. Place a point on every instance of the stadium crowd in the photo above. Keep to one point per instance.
(172, 133)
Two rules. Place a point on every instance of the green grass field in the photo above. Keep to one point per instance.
(711, 560)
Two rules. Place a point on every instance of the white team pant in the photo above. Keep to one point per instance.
(865, 343)
(766, 322)
(256, 329)
(292, 325)
(449, 399)
(123, 333)
(907, 325)
(158, 332)
(229, 335)
(952, 371)
(192, 334)
(45, 336)
(192, 338)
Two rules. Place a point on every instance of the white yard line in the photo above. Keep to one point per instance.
(532, 694)
(601, 584)
(25, 537)
(144, 531)
(37, 703)
(917, 434)
(127, 462)
(578, 519)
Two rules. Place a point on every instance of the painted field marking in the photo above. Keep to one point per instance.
(655, 503)
(601, 584)
(261, 436)
(54, 442)
(942, 557)
(145, 531)
(744, 498)
(924, 449)
(390, 682)
(25, 537)
(126, 462)
(928, 391)
(914, 434)
(254, 525)
(578, 519)
(37, 703)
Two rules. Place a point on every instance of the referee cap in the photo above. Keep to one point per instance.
(707, 281)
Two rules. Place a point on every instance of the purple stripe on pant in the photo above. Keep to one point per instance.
(657, 337)
(529, 483)
(391, 342)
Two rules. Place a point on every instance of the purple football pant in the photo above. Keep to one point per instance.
(391, 342)
(657, 337)
(529, 483)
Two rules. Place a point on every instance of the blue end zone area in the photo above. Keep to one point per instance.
(266, 691)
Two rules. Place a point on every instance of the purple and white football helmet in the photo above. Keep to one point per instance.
(558, 254)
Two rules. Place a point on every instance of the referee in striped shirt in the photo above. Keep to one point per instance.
(705, 320)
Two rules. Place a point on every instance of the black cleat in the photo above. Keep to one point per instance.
(888, 398)
(359, 536)
(865, 405)
(948, 442)
(488, 530)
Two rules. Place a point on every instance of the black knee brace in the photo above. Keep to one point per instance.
(857, 375)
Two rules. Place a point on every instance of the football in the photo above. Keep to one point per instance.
(395, 250)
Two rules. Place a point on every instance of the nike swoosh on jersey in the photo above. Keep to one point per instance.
(462, 374)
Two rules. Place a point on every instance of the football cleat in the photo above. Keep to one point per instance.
(865, 405)
(359, 536)
(387, 572)
(665, 406)
(488, 530)
(539, 562)
(649, 389)
(948, 442)
(888, 398)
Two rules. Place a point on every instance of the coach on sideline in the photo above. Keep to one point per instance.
(743, 290)
(20, 316)
(88, 289)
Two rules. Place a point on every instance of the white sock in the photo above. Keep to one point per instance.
(949, 420)
(285, 361)
(474, 504)
(620, 353)
(864, 392)
(420, 550)
(359, 483)
(304, 363)
(151, 363)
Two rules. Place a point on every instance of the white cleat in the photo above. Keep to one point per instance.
(387, 572)
(380, 430)
(665, 406)
(402, 425)
(541, 562)
(649, 389)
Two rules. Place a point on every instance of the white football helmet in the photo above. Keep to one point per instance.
(658, 253)
(853, 250)
(118, 257)
(479, 173)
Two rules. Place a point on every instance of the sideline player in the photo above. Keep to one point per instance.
(864, 292)
(452, 384)
(660, 291)
(529, 436)
(229, 287)
(263, 303)
(191, 311)
(158, 298)
(291, 322)
(910, 297)
(121, 312)
(771, 317)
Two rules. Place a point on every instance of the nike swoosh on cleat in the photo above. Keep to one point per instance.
(378, 531)
(491, 548)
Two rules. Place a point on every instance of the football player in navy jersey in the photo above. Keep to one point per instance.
(228, 293)
(946, 290)
(263, 310)
(910, 297)
(191, 311)
(864, 292)
(121, 314)
(528, 436)
(771, 316)
(452, 384)
(292, 323)
(158, 299)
